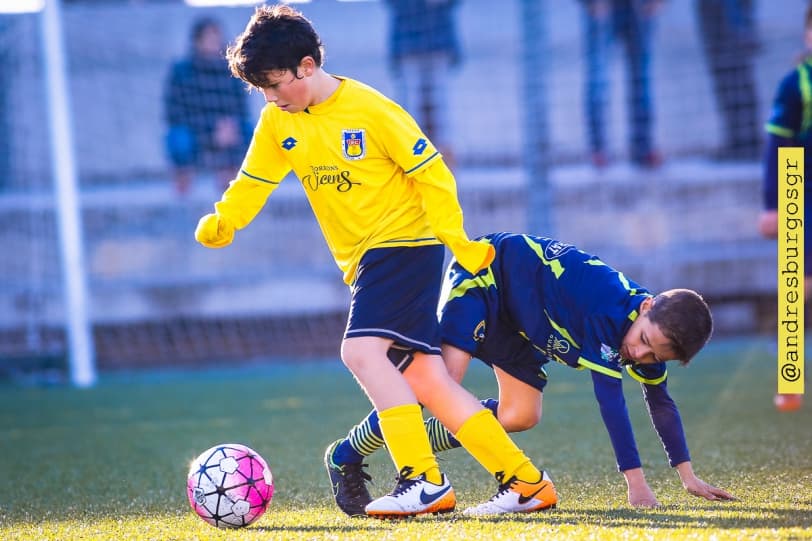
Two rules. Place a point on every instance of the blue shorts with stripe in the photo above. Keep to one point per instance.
(471, 322)
(395, 296)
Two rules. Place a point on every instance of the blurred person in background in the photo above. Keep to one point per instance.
(631, 22)
(790, 125)
(206, 110)
(730, 42)
(424, 49)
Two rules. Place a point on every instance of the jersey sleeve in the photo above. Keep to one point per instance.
(409, 147)
(609, 394)
(667, 422)
(784, 123)
(404, 141)
(262, 170)
(264, 161)
(787, 108)
(439, 192)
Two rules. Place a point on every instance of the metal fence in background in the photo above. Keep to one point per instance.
(519, 126)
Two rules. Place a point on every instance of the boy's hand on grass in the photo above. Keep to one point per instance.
(214, 231)
(642, 497)
(700, 488)
(696, 486)
(639, 493)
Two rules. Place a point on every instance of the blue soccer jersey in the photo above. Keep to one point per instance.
(790, 125)
(542, 300)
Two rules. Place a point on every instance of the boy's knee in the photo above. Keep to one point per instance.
(518, 420)
(352, 355)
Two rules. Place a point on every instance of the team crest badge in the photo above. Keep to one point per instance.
(556, 249)
(354, 144)
(479, 332)
(610, 354)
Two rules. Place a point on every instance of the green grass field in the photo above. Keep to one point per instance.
(111, 462)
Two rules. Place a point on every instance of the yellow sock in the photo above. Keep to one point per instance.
(487, 441)
(408, 443)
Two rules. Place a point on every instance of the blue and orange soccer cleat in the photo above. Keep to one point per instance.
(515, 496)
(413, 497)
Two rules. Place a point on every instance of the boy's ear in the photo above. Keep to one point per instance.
(308, 66)
(645, 306)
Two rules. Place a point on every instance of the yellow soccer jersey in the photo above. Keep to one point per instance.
(372, 178)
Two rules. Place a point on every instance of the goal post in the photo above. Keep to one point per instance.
(78, 329)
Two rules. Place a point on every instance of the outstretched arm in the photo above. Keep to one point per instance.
(609, 393)
(667, 422)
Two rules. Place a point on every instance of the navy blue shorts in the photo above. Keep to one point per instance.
(471, 321)
(395, 296)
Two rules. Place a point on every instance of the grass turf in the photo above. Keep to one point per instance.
(110, 462)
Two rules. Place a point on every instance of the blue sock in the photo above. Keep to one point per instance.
(362, 440)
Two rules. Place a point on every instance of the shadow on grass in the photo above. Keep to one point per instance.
(726, 516)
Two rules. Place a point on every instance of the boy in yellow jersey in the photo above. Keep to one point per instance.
(386, 204)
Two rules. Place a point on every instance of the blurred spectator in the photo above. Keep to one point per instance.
(206, 110)
(631, 22)
(728, 31)
(423, 49)
(790, 125)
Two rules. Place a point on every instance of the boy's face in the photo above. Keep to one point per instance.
(644, 342)
(288, 92)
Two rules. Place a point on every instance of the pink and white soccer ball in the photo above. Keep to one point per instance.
(229, 485)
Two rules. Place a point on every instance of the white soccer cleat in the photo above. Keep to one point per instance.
(515, 496)
(413, 497)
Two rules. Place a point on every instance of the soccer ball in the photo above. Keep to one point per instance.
(229, 485)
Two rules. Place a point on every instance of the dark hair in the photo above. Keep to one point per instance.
(685, 319)
(276, 38)
(201, 25)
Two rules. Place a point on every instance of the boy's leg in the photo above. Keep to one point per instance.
(382, 311)
(518, 408)
(401, 424)
(523, 487)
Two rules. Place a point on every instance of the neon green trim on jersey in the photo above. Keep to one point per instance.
(806, 96)
(600, 368)
(647, 381)
(780, 131)
(633, 315)
(622, 277)
(485, 281)
(555, 265)
(561, 330)
(625, 281)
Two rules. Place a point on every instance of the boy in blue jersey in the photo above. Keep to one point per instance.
(386, 204)
(542, 300)
(790, 125)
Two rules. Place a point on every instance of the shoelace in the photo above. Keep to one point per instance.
(404, 485)
(355, 476)
(504, 486)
